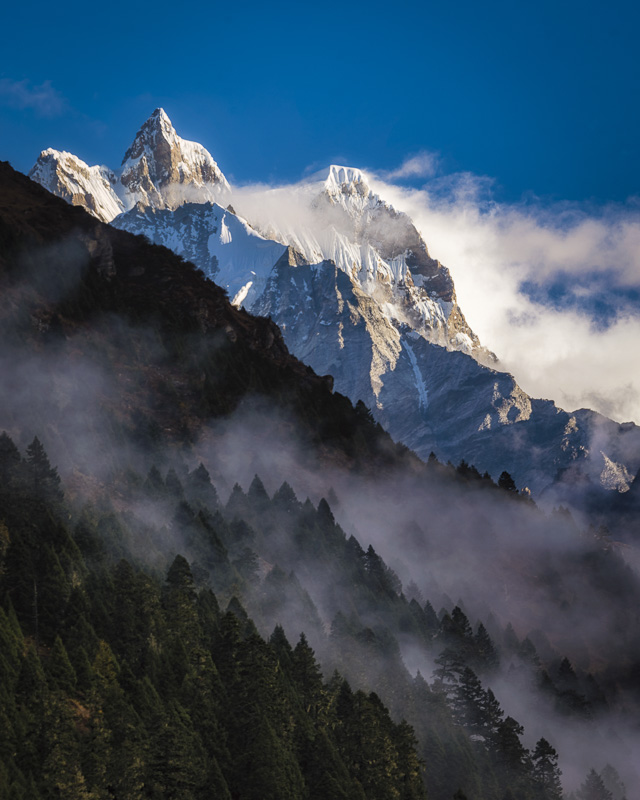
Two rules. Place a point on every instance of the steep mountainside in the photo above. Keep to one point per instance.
(352, 286)
(69, 282)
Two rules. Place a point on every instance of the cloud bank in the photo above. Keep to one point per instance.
(552, 290)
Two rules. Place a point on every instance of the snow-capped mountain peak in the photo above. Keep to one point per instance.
(162, 170)
(346, 179)
(159, 170)
(157, 127)
(71, 178)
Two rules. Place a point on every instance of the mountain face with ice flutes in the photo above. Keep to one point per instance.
(352, 285)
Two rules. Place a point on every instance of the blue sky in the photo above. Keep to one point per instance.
(541, 97)
(508, 130)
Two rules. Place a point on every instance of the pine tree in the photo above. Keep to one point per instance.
(61, 765)
(177, 765)
(173, 485)
(307, 677)
(381, 579)
(593, 788)
(282, 648)
(413, 592)
(545, 771)
(409, 765)
(61, 674)
(511, 756)
(613, 782)
(468, 703)
(285, 499)
(44, 479)
(486, 656)
(179, 602)
(325, 774)
(325, 515)
(200, 489)
(257, 494)
(9, 460)
(506, 482)
(154, 485)
(265, 768)
(247, 564)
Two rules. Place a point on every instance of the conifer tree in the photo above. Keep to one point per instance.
(506, 482)
(285, 499)
(486, 656)
(154, 484)
(468, 703)
(247, 565)
(179, 601)
(9, 460)
(282, 648)
(545, 771)
(201, 490)
(236, 506)
(307, 677)
(593, 788)
(257, 494)
(613, 782)
(44, 479)
(325, 515)
(325, 774)
(173, 486)
(413, 592)
(61, 674)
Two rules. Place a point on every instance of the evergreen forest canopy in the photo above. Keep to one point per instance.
(175, 625)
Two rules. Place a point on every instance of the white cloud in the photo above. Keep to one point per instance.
(43, 99)
(491, 249)
(422, 165)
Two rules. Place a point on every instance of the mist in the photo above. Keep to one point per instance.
(460, 545)
(502, 560)
(92, 392)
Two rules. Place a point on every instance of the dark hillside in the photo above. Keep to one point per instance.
(175, 351)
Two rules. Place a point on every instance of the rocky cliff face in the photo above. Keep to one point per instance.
(356, 293)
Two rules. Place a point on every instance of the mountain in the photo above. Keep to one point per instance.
(350, 282)
(160, 169)
(175, 436)
(68, 280)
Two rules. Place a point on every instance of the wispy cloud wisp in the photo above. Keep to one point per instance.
(43, 99)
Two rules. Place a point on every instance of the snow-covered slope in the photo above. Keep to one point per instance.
(159, 170)
(222, 244)
(69, 177)
(352, 285)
